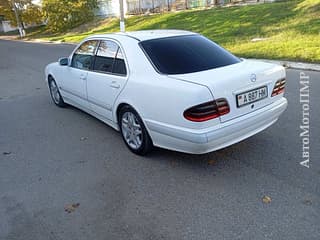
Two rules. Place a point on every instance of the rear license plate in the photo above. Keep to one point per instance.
(251, 96)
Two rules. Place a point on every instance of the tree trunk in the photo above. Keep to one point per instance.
(19, 22)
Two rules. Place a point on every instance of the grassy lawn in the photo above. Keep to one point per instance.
(285, 30)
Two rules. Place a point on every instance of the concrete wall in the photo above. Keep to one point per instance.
(110, 8)
(6, 26)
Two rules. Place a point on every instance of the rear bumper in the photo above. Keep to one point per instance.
(216, 137)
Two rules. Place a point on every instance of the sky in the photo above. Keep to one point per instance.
(38, 2)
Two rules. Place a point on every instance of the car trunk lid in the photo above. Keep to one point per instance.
(236, 82)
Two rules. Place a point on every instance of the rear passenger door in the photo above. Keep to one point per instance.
(107, 78)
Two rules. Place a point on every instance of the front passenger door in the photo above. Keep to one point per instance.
(74, 82)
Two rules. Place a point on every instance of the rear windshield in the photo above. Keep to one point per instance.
(186, 54)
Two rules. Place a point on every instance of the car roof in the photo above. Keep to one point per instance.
(152, 34)
(146, 34)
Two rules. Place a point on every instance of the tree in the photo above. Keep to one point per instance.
(28, 12)
(32, 14)
(65, 14)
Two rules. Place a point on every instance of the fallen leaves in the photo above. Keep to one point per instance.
(307, 202)
(266, 199)
(71, 207)
(173, 163)
(211, 162)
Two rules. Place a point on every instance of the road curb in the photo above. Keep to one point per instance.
(17, 39)
(294, 65)
(47, 41)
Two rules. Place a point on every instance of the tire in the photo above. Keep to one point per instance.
(55, 93)
(133, 131)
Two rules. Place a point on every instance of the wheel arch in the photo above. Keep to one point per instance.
(50, 77)
(119, 107)
(148, 144)
(126, 103)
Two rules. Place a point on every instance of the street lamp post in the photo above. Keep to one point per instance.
(122, 25)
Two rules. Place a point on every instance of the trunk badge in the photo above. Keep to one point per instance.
(253, 77)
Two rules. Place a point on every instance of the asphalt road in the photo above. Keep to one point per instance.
(51, 157)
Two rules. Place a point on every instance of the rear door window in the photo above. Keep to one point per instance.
(105, 56)
(119, 64)
(109, 59)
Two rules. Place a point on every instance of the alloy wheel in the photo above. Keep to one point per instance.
(54, 92)
(131, 130)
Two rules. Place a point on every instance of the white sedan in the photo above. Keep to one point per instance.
(169, 88)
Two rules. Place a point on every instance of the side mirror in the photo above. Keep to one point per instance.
(64, 61)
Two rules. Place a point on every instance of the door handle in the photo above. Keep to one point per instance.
(114, 84)
(83, 77)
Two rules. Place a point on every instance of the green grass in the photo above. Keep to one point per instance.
(290, 29)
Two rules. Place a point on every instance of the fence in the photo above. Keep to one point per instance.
(135, 7)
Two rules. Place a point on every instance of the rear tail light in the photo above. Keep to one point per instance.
(278, 87)
(206, 111)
